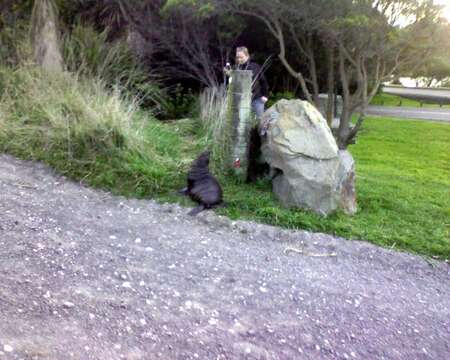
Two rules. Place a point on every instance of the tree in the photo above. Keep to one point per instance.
(362, 39)
(45, 36)
(187, 45)
(372, 47)
(436, 70)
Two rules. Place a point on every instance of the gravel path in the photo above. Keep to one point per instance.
(86, 275)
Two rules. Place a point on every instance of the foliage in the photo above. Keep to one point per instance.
(14, 30)
(91, 134)
(213, 121)
(436, 68)
(446, 83)
(90, 54)
(402, 185)
(202, 9)
(288, 95)
(362, 41)
(13, 43)
(190, 44)
(180, 103)
(86, 131)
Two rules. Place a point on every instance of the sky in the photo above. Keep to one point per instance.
(446, 10)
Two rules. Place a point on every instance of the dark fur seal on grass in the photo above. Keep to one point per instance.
(202, 187)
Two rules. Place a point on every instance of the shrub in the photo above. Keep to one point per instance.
(84, 130)
(90, 54)
(280, 95)
(180, 103)
(14, 43)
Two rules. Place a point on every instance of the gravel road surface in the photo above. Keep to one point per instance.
(87, 275)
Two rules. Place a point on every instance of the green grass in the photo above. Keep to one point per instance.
(403, 189)
(392, 100)
(88, 132)
(95, 135)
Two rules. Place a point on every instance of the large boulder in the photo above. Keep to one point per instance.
(311, 172)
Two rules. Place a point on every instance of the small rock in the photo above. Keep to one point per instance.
(8, 348)
(213, 321)
(68, 304)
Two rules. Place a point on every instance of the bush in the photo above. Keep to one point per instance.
(280, 95)
(85, 131)
(13, 43)
(89, 54)
(180, 103)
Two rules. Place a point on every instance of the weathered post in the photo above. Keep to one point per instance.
(239, 116)
(45, 37)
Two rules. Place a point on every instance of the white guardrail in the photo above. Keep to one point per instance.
(430, 95)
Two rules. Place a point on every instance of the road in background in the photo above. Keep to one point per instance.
(436, 114)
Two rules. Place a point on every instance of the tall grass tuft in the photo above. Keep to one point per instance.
(213, 118)
(84, 130)
(91, 55)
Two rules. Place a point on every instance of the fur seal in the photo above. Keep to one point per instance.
(202, 186)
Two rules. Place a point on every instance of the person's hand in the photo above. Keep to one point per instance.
(264, 99)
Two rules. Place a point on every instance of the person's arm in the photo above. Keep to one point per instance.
(264, 87)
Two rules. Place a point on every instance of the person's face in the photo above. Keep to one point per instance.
(241, 58)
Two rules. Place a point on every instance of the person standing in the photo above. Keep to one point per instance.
(260, 88)
(260, 94)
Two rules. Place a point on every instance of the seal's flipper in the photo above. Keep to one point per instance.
(196, 210)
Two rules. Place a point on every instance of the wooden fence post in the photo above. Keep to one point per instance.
(241, 120)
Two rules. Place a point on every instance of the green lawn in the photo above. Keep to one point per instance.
(403, 189)
(89, 134)
(392, 100)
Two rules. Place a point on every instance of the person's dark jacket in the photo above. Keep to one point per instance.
(260, 87)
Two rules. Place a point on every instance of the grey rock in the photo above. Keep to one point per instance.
(313, 172)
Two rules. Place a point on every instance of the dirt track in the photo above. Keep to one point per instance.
(86, 275)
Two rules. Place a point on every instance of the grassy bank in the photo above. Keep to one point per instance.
(94, 135)
(403, 188)
(88, 132)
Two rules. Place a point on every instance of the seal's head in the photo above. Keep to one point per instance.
(202, 160)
